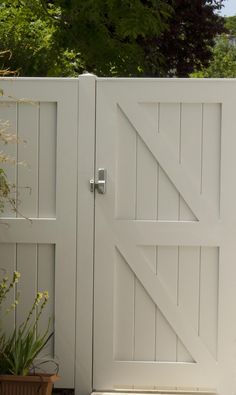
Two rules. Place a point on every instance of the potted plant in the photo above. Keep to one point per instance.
(19, 349)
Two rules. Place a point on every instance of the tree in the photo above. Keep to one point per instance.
(109, 37)
(230, 24)
(223, 64)
(186, 45)
(142, 37)
(107, 32)
(31, 39)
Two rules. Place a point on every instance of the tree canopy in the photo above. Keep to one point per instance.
(223, 62)
(230, 24)
(109, 37)
(30, 36)
(186, 45)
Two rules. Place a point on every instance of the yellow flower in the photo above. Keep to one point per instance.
(16, 276)
(46, 295)
(39, 295)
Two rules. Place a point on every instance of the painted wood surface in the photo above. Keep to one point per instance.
(164, 257)
(160, 234)
(43, 247)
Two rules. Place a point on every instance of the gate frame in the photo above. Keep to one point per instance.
(85, 237)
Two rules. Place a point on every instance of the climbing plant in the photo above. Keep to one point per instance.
(7, 189)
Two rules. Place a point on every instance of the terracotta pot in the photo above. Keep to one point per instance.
(38, 384)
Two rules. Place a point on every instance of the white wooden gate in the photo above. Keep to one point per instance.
(159, 312)
(44, 250)
(165, 236)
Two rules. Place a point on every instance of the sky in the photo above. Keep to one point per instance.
(229, 8)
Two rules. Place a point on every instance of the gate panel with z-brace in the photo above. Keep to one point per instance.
(165, 251)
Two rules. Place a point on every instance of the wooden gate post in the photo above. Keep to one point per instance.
(85, 232)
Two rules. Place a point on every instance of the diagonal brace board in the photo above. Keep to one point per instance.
(174, 314)
(166, 157)
(157, 291)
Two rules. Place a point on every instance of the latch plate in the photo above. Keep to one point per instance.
(100, 185)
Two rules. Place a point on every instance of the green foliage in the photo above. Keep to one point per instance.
(230, 24)
(5, 190)
(30, 34)
(22, 348)
(107, 32)
(19, 350)
(223, 64)
(109, 37)
(186, 45)
(49, 38)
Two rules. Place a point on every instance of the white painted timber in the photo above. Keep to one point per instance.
(43, 247)
(165, 237)
(85, 235)
(142, 279)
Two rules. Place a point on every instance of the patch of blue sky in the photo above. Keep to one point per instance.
(229, 8)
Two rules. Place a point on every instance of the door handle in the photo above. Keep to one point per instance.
(100, 185)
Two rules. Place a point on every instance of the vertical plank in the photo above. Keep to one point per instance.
(146, 198)
(7, 266)
(211, 154)
(28, 152)
(168, 209)
(144, 325)
(168, 199)
(85, 239)
(191, 141)
(124, 310)
(168, 196)
(27, 266)
(146, 183)
(8, 112)
(169, 124)
(126, 169)
(190, 155)
(126, 208)
(209, 288)
(47, 160)
(191, 150)
(167, 271)
(188, 293)
(46, 280)
(152, 110)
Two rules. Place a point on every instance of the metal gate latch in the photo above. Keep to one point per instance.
(100, 185)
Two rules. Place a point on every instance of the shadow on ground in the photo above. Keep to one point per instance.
(57, 391)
